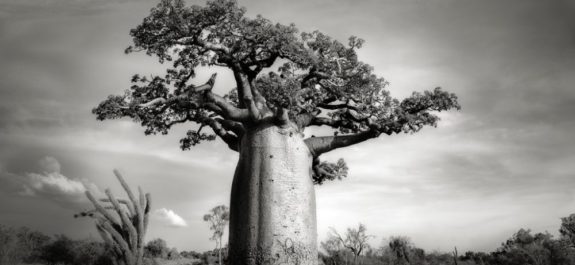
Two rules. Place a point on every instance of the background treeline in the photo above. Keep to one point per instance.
(522, 248)
(25, 246)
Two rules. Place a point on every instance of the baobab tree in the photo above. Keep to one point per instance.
(284, 82)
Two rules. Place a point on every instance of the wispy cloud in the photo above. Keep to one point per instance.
(169, 218)
(48, 184)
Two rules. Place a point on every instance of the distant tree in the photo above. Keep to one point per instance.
(284, 82)
(567, 229)
(355, 240)
(400, 246)
(533, 249)
(122, 223)
(173, 254)
(218, 218)
(479, 258)
(157, 248)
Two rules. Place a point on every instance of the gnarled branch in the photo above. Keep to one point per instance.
(324, 144)
(230, 139)
(226, 109)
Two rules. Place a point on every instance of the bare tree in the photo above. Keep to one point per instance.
(218, 218)
(355, 240)
(122, 223)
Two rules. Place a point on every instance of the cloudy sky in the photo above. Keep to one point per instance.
(504, 162)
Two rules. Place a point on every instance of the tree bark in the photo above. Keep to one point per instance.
(272, 209)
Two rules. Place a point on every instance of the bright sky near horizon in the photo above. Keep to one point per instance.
(504, 162)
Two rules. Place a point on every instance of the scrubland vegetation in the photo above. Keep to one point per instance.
(25, 246)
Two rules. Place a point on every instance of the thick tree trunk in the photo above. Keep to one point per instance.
(272, 209)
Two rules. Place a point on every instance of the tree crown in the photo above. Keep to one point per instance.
(281, 76)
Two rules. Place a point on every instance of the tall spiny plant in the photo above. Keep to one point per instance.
(122, 223)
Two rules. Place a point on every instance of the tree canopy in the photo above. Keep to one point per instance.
(281, 76)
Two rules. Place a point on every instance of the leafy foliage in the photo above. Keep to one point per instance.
(319, 79)
(156, 248)
(567, 229)
(324, 171)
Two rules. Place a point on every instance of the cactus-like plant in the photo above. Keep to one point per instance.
(121, 223)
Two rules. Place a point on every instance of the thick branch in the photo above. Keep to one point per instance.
(236, 127)
(207, 86)
(230, 139)
(226, 109)
(282, 117)
(320, 145)
(259, 100)
(245, 93)
(304, 119)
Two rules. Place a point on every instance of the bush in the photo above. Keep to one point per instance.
(156, 248)
(60, 251)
